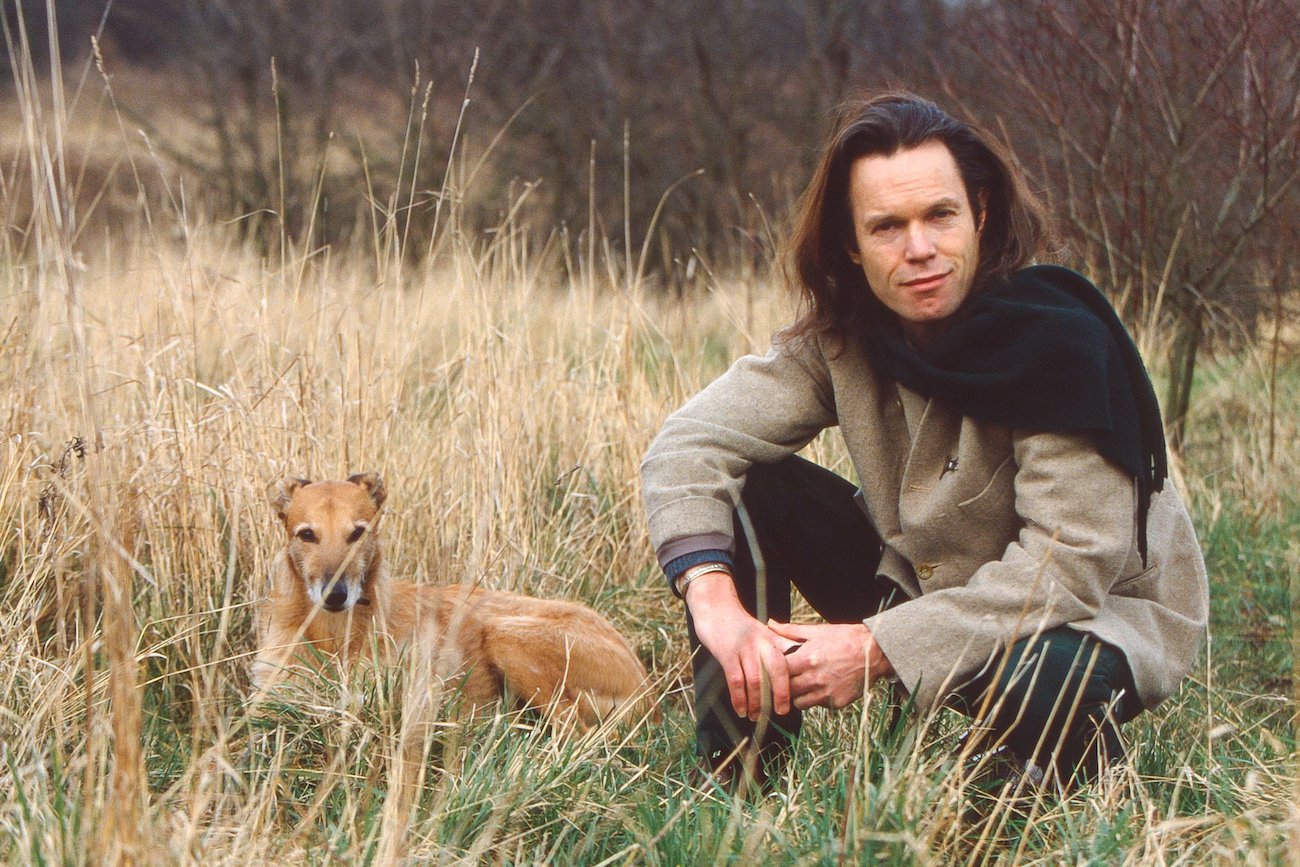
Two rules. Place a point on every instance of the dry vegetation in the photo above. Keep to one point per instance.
(158, 377)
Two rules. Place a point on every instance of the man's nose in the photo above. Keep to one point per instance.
(919, 244)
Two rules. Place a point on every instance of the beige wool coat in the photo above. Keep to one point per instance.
(1027, 531)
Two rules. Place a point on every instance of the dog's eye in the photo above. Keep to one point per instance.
(307, 534)
(356, 534)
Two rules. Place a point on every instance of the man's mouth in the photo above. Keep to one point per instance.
(922, 284)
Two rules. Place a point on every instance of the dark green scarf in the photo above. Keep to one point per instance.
(1044, 351)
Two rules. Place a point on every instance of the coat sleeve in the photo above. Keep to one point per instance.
(761, 410)
(1075, 540)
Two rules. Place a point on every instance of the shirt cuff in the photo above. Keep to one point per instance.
(674, 568)
(675, 549)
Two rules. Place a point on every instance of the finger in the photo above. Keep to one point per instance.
(778, 674)
(802, 688)
(735, 673)
(754, 687)
(813, 691)
(805, 693)
(804, 702)
(804, 661)
(792, 631)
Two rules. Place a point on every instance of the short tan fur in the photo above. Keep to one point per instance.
(332, 592)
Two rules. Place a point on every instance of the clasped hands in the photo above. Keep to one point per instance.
(806, 665)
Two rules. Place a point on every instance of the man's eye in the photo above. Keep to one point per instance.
(306, 534)
(356, 534)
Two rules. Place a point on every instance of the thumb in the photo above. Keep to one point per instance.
(792, 631)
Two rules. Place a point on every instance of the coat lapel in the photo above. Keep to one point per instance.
(933, 448)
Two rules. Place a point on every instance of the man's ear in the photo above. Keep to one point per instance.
(373, 484)
(281, 492)
(850, 240)
(982, 214)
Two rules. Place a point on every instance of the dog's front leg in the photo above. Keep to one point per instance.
(421, 702)
(275, 658)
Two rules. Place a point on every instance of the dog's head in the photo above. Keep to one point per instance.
(332, 535)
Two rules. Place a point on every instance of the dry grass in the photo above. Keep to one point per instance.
(152, 394)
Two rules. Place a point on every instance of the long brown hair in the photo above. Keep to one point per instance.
(836, 298)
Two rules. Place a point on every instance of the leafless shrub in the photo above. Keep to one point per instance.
(1166, 136)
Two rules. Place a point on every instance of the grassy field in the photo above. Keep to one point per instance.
(158, 377)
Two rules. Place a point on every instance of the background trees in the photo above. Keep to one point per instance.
(1164, 135)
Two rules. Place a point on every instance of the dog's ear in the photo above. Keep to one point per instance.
(372, 483)
(281, 492)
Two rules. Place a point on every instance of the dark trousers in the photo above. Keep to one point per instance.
(1052, 698)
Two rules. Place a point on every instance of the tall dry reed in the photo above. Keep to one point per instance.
(158, 377)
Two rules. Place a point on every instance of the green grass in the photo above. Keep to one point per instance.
(1248, 555)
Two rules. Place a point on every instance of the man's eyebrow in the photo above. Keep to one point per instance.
(948, 202)
(873, 217)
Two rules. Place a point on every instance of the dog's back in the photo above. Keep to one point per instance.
(559, 655)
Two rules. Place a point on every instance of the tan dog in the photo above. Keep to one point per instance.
(332, 592)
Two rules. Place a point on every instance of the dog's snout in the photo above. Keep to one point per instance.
(336, 599)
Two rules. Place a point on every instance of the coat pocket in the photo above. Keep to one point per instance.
(1139, 586)
(998, 488)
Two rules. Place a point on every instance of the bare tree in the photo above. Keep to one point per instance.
(1165, 135)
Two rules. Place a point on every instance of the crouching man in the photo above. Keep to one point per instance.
(1013, 549)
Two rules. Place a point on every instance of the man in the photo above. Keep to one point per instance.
(1012, 551)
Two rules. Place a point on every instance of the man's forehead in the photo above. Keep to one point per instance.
(884, 206)
(925, 176)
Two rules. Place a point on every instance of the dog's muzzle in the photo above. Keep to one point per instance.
(336, 599)
(335, 594)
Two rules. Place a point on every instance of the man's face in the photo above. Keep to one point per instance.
(917, 237)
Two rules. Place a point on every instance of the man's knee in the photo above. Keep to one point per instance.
(1059, 667)
(1062, 694)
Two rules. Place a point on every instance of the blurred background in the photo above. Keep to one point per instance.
(671, 137)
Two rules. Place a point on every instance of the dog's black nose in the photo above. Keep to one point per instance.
(336, 598)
